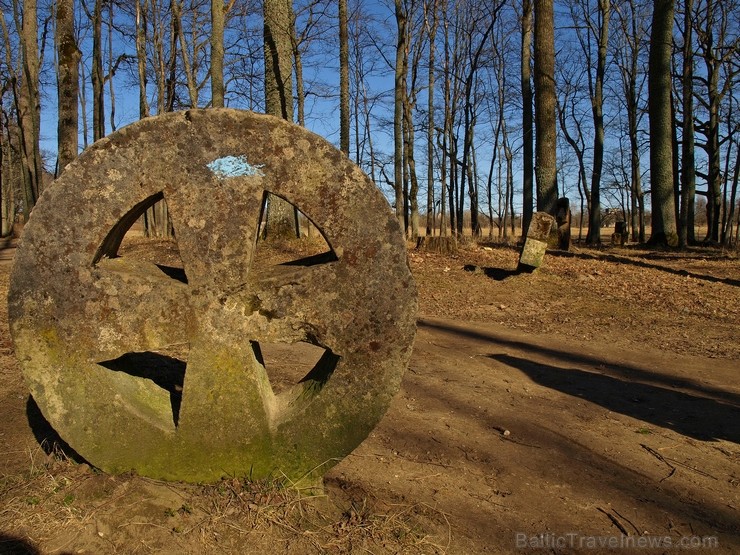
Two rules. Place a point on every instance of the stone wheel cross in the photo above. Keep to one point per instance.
(90, 326)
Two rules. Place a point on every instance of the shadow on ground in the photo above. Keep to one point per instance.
(690, 415)
(699, 411)
(499, 274)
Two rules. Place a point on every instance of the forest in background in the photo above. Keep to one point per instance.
(463, 112)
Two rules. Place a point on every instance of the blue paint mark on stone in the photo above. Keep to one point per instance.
(234, 166)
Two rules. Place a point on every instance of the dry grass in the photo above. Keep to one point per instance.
(58, 504)
(40, 501)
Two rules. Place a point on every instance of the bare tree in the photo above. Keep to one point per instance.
(569, 115)
(688, 162)
(398, 108)
(431, 18)
(717, 45)
(179, 36)
(527, 116)
(98, 81)
(343, 78)
(596, 30)
(632, 23)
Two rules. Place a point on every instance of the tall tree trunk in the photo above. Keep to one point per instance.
(717, 41)
(688, 164)
(279, 30)
(187, 67)
(343, 78)
(527, 116)
(398, 115)
(6, 200)
(298, 62)
(217, 53)
(171, 80)
(410, 162)
(714, 181)
(278, 58)
(597, 108)
(142, 9)
(727, 231)
(158, 37)
(29, 108)
(510, 184)
(661, 143)
(638, 197)
(448, 184)
(632, 31)
(432, 32)
(98, 80)
(508, 195)
(67, 84)
(544, 106)
(83, 109)
(112, 67)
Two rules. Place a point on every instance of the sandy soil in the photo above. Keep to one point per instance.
(594, 401)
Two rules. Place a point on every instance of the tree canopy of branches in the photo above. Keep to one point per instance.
(461, 103)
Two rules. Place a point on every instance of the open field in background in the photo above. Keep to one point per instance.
(576, 232)
(595, 398)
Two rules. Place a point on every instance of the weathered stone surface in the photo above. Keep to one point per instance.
(92, 328)
(535, 244)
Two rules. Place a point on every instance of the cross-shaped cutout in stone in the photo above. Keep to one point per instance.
(165, 365)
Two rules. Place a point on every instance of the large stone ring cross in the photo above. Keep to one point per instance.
(89, 325)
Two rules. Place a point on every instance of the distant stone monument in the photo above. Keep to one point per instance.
(563, 217)
(621, 233)
(535, 244)
(95, 331)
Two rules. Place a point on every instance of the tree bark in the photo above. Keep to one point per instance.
(432, 32)
(278, 58)
(597, 108)
(187, 66)
(217, 53)
(142, 9)
(544, 106)
(29, 108)
(67, 84)
(688, 164)
(400, 91)
(410, 161)
(279, 30)
(98, 81)
(661, 143)
(527, 116)
(632, 31)
(343, 78)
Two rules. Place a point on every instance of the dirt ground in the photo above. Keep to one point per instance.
(591, 406)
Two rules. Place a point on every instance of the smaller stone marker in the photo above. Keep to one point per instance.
(535, 244)
(563, 217)
(621, 233)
